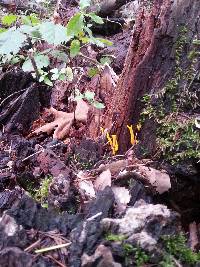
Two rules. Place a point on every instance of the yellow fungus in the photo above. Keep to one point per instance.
(102, 130)
(133, 139)
(139, 126)
(113, 143)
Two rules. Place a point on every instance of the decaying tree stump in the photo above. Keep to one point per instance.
(150, 60)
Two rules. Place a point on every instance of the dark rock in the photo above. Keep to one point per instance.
(101, 258)
(12, 234)
(30, 214)
(13, 81)
(9, 197)
(137, 192)
(18, 114)
(88, 234)
(88, 151)
(15, 257)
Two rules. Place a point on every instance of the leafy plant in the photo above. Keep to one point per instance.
(90, 97)
(21, 35)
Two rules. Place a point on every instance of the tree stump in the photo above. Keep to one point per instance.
(151, 61)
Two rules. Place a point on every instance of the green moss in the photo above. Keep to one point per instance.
(113, 237)
(42, 193)
(176, 246)
(177, 137)
(131, 253)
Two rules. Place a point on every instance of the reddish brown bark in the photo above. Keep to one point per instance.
(150, 60)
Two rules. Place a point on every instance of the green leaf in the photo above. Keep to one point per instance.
(96, 18)
(89, 95)
(54, 34)
(11, 41)
(78, 97)
(15, 60)
(105, 60)
(105, 41)
(87, 29)
(84, 3)
(34, 19)
(3, 30)
(74, 48)
(47, 81)
(42, 61)
(92, 72)
(75, 25)
(98, 105)
(9, 19)
(59, 55)
(30, 20)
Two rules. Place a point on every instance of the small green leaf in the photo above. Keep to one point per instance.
(74, 48)
(62, 77)
(42, 61)
(84, 3)
(9, 19)
(96, 18)
(54, 34)
(75, 25)
(98, 105)
(89, 32)
(11, 41)
(78, 94)
(15, 60)
(47, 81)
(92, 72)
(105, 41)
(34, 19)
(2, 30)
(59, 55)
(89, 95)
(30, 20)
(105, 60)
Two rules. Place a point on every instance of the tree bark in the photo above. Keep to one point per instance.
(150, 60)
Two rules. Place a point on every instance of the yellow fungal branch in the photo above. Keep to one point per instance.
(113, 142)
(139, 126)
(133, 135)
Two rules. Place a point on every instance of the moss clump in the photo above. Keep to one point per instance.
(176, 246)
(42, 193)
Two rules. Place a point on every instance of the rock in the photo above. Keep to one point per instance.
(86, 236)
(15, 257)
(88, 151)
(144, 224)
(19, 113)
(101, 258)
(128, 11)
(11, 233)
(30, 214)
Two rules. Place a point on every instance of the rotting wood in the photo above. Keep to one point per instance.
(150, 61)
